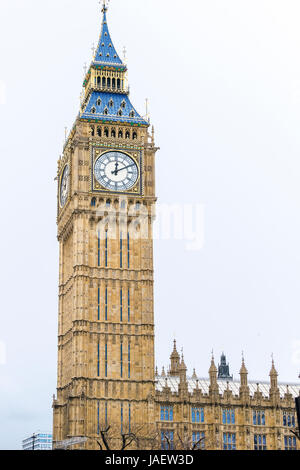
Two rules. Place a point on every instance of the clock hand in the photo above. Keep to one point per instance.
(115, 171)
(124, 168)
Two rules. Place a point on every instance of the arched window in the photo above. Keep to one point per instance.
(137, 205)
(123, 104)
(105, 111)
(99, 131)
(114, 83)
(108, 203)
(118, 84)
(120, 135)
(92, 131)
(123, 204)
(103, 82)
(93, 202)
(113, 133)
(98, 100)
(111, 103)
(93, 110)
(106, 132)
(108, 82)
(120, 112)
(127, 135)
(132, 114)
(98, 80)
(134, 135)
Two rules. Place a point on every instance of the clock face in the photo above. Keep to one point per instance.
(64, 186)
(116, 171)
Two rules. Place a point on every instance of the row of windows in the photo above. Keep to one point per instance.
(121, 360)
(167, 440)
(106, 250)
(290, 443)
(121, 416)
(109, 82)
(119, 113)
(228, 417)
(198, 415)
(260, 442)
(229, 441)
(113, 133)
(259, 418)
(123, 204)
(106, 305)
(289, 420)
(166, 413)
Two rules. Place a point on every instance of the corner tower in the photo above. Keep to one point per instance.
(106, 195)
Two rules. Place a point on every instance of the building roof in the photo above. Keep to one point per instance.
(106, 53)
(234, 386)
(113, 103)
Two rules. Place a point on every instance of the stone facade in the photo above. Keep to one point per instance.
(106, 373)
(248, 412)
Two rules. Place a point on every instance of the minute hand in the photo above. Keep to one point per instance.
(124, 168)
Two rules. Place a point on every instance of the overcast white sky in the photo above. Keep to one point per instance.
(223, 80)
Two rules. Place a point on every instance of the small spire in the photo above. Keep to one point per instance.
(194, 375)
(163, 372)
(273, 372)
(213, 368)
(243, 369)
(182, 365)
(156, 371)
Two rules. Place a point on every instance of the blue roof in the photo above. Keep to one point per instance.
(106, 53)
(114, 103)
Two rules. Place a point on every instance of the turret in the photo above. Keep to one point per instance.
(244, 375)
(175, 362)
(244, 388)
(274, 390)
(223, 369)
(213, 371)
(182, 370)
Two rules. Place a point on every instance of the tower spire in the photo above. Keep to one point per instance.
(106, 53)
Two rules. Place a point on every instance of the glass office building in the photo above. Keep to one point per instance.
(38, 441)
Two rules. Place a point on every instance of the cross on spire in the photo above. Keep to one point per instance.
(104, 5)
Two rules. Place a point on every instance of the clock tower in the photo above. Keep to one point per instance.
(106, 196)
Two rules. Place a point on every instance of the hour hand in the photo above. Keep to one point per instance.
(115, 171)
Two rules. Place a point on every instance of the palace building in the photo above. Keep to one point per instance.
(108, 392)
